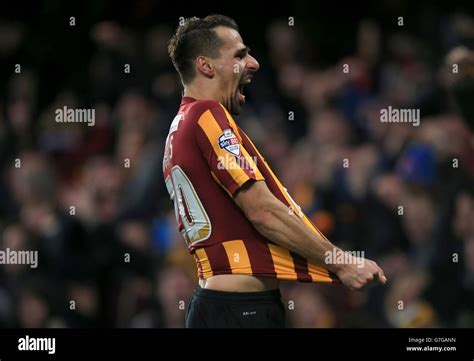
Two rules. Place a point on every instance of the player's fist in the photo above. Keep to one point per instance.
(357, 275)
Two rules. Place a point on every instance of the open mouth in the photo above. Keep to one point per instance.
(240, 89)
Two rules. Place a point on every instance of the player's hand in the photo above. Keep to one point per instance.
(361, 273)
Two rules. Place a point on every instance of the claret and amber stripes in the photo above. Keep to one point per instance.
(232, 175)
(234, 257)
(205, 139)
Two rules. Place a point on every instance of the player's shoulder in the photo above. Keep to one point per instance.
(199, 107)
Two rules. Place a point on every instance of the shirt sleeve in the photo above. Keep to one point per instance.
(221, 145)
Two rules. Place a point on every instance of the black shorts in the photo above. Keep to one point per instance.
(216, 309)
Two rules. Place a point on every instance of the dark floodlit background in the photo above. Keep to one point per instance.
(427, 252)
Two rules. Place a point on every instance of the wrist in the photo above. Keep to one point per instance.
(336, 260)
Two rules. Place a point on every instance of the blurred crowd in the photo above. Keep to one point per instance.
(92, 201)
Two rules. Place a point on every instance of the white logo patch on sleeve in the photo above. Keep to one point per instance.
(229, 142)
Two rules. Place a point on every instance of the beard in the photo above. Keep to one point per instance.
(234, 105)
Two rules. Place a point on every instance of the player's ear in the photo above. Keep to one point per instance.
(205, 66)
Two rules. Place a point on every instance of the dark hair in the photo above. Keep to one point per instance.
(193, 38)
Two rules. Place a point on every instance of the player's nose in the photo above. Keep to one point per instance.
(252, 64)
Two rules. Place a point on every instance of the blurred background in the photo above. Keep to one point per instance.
(304, 113)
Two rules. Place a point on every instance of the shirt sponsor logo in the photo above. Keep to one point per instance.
(229, 142)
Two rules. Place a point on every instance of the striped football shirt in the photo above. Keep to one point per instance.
(207, 159)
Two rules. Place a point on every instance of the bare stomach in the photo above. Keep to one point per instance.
(239, 283)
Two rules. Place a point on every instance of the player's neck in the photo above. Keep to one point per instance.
(200, 92)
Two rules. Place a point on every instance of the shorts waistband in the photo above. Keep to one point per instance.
(270, 296)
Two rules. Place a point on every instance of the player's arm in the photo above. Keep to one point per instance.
(218, 140)
(276, 223)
